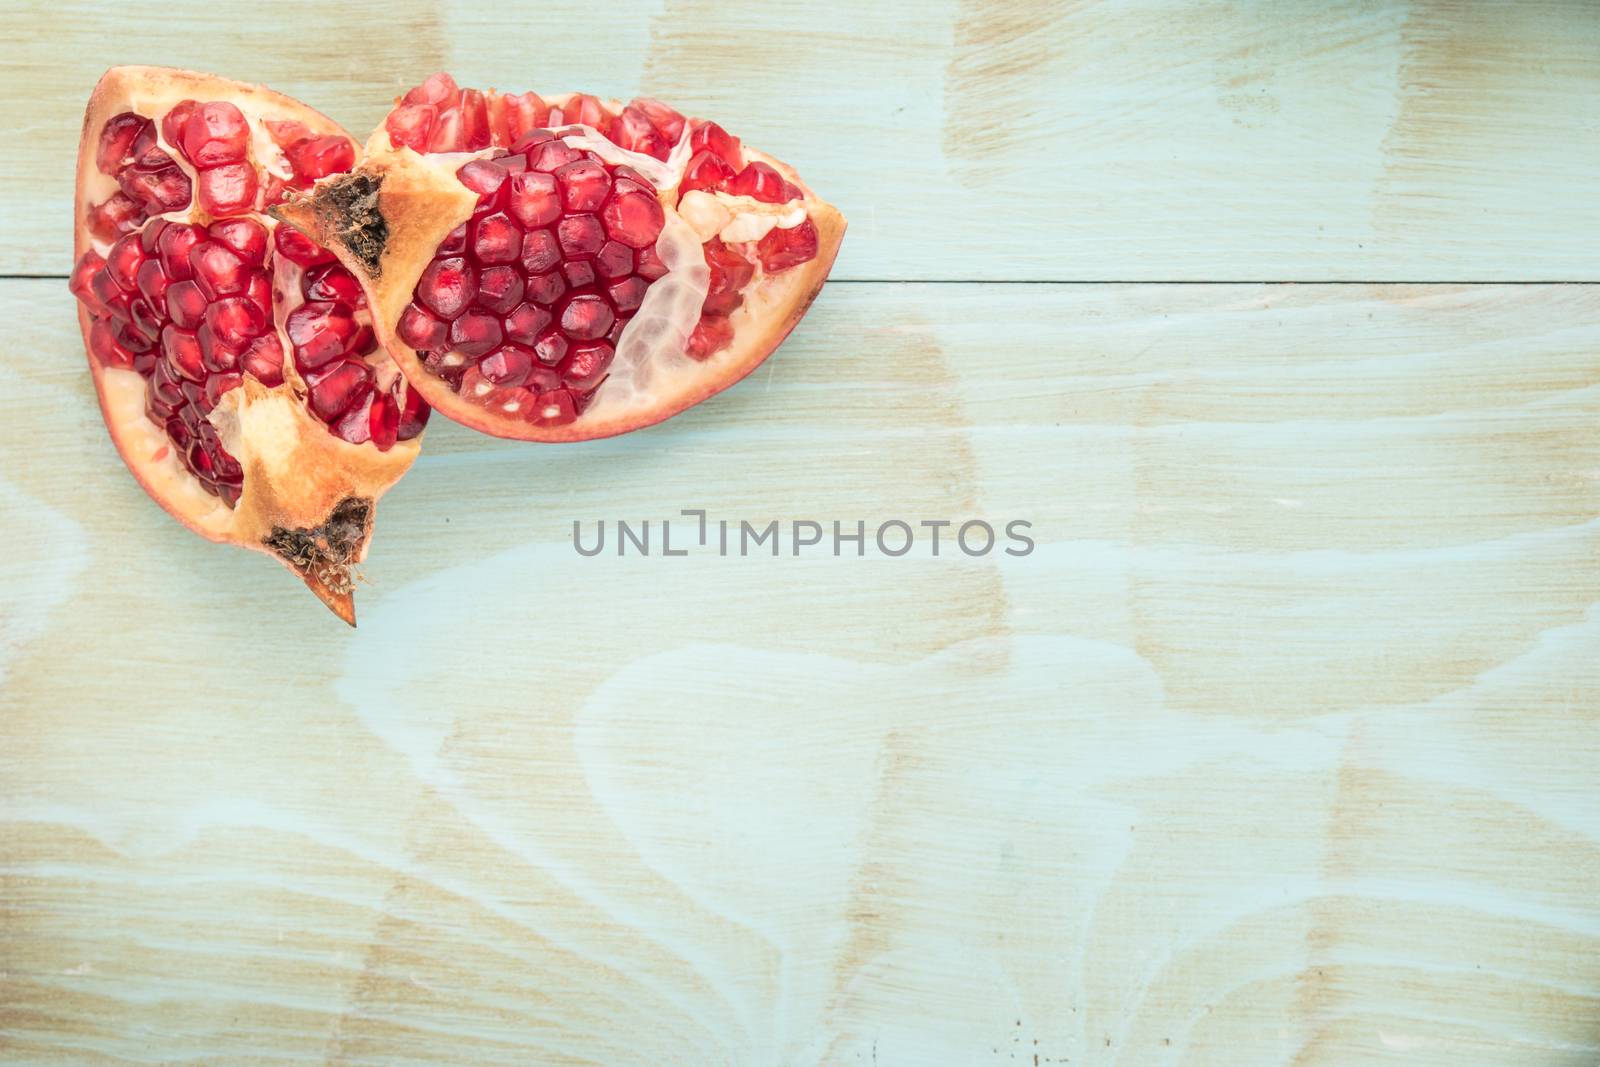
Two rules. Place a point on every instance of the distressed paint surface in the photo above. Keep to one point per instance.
(1279, 749)
(980, 139)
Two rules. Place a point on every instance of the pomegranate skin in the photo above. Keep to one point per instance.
(308, 497)
(421, 201)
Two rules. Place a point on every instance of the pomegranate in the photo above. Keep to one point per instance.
(563, 268)
(235, 360)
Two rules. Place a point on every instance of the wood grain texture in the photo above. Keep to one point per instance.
(1279, 749)
(974, 139)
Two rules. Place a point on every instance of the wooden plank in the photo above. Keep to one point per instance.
(1279, 748)
(1431, 140)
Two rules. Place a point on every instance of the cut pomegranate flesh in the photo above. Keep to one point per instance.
(548, 253)
(190, 307)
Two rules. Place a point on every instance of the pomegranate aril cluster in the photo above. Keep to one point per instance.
(440, 116)
(189, 309)
(330, 346)
(149, 181)
(525, 302)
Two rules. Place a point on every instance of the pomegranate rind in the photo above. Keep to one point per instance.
(421, 201)
(302, 485)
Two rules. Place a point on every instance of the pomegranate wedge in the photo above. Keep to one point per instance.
(563, 268)
(235, 361)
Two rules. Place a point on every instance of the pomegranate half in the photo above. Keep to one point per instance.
(564, 268)
(235, 361)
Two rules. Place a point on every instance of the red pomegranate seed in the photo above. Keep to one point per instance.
(525, 322)
(332, 282)
(582, 235)
(584, 185)
(543, 289)
(447, 136)
(508, 365)
(578, 272)
(730, 273)
(356, 425)
(555, 408)
(484, 177)
(474, 121)
(634, 131)
(496, 239)
(104, 347)
(587, 110)
(122, 262)
(235, 320)
(711, 334)
(614, 260)
(245, 236)
(633, 216)
(549, 156)
(146, 149)
(298, 248)
(384, 424)
(214, 354)
(182, 352)
(320, 332)
(263, 360)
(421, 330)
(152, 281)
(411, 125)
(718, 141)
(334, 391)
(706, 170)
(110, 295)
(668, 121)
(318, 157)
(186, 304)
(218, 270)
(500, 289)
(160, 189)
(626, 295)
(142, 328)
(260, 292)
(116, 141)
(475, 333)
(534, 198)
(116, 216)
(782, 249)
(550, 349)
(216, 133)
(586, 365)
(228, 189)
(88, 264)
(586, 317)
(539, 251)
(761, 181)
(216, 386)
(173, 247)
(447, 286)
(435, 89)
(523, 113)
(175, 121)
(414, 412)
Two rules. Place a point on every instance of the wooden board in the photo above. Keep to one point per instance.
(1279, 748)
(980, 139)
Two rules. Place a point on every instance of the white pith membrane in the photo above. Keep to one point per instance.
(651, 358)
(296, 472)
